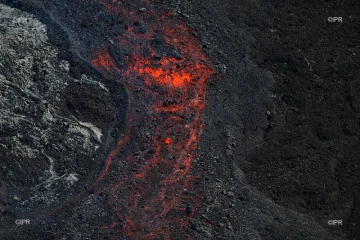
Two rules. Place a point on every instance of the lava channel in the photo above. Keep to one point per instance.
(150, 188)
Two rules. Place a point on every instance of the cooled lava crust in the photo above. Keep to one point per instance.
(171, 131)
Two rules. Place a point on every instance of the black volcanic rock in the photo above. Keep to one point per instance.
(60, 119)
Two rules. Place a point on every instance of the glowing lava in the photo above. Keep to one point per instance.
(165, 72)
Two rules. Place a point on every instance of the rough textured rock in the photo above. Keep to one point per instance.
(310, 159)
(80, 114)
(51, 124)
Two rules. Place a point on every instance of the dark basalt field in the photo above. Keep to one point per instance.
(180, 119)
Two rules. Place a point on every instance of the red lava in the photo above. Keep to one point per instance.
(152, 194)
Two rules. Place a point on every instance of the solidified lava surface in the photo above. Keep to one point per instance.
(139, 119)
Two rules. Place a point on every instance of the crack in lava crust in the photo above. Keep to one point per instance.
(165, 72)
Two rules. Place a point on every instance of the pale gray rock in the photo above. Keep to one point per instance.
(35, 134)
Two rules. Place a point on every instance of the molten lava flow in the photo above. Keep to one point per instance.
(165, 73)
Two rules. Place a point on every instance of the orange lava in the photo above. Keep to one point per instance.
(167, 141)
(104, 60)
(163, 74)
(153, 186)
